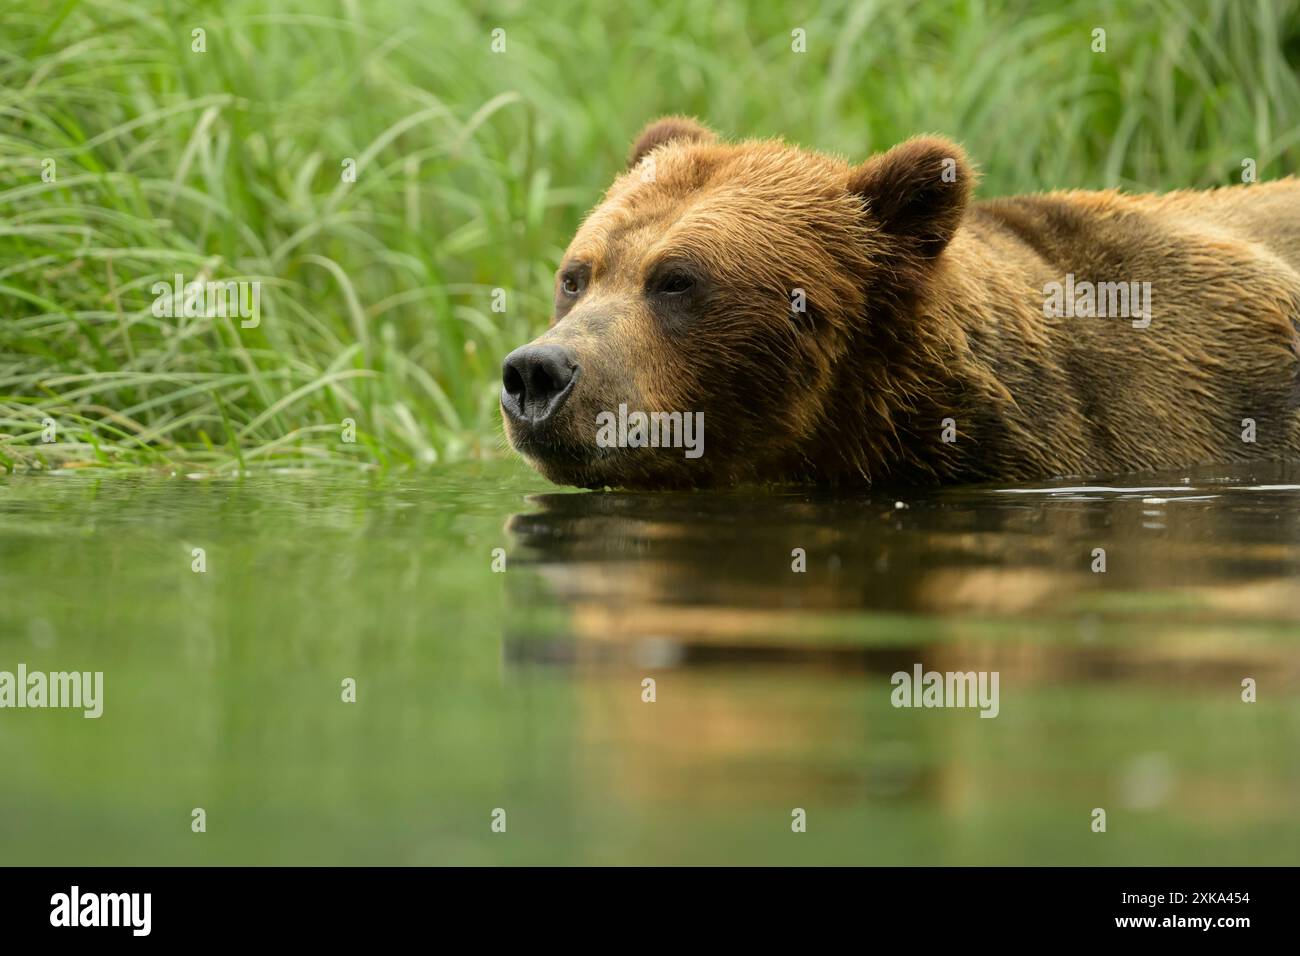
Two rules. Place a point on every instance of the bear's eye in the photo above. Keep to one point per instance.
(571, 283)
(675, 282)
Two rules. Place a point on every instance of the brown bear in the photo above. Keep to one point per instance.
(822, 322)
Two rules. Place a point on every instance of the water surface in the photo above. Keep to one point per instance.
(523, 690)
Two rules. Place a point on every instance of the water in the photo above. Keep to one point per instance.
(523, 690)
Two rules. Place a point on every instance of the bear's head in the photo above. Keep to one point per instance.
(738, 312)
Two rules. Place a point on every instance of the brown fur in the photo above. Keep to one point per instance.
(920, 307)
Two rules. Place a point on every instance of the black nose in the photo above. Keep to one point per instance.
(535, 381)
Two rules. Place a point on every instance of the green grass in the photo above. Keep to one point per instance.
(475, 166)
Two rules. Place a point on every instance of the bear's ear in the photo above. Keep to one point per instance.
(917, 191)
(665, 130)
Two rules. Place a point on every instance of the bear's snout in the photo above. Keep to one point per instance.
(535, 382)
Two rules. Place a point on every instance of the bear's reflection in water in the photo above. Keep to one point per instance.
(758, 665)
